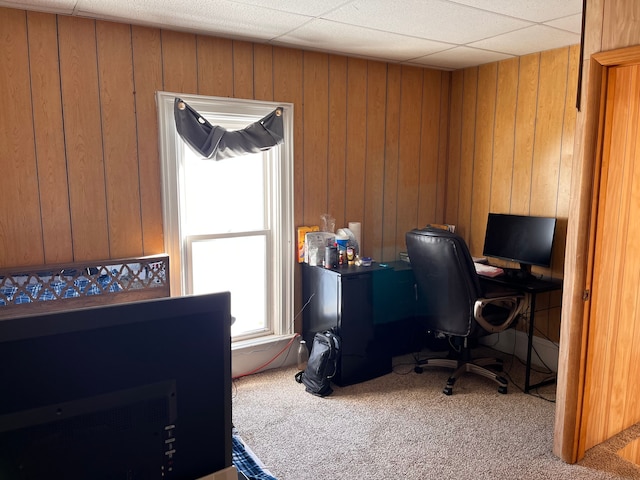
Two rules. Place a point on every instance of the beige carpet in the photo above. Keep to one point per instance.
(401, 426)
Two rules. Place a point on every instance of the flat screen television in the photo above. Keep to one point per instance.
(524, 239)
(135, 391)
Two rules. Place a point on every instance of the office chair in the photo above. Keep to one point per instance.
(454, 303)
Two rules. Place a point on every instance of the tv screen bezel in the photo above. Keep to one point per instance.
(69, 357)
(495, 235)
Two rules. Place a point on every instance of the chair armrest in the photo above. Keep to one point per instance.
(513, 303)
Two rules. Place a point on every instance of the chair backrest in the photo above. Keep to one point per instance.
(446, 279)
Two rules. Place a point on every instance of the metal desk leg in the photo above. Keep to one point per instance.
(527, 374)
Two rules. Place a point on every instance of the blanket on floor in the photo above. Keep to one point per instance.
(246, 462)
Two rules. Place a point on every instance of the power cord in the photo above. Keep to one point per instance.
(286, 347)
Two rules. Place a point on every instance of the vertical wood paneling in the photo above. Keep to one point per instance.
(337, 149)
(83, 136)
(408, 158)
(47, 122)
(20, 227)
(467, 147)
(504, 132)
(555, 316)
(356, 139)
(366, 164)
(287, 87)
(566, 162)
(242, 69)
(443, 141)
(119, 143)
(374, 169)
(288, 81)
(552, 94)
(263, 72)
(454, 149)
(568, 135)
(483, 155)
(409, 152)
(622, 25)
(525, 131)
(429, 148)
(510, 146)
(392, 146)
(179, 62)
(147, 73)
(316, 138)
(215, 66)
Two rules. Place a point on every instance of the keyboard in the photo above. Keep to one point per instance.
(488, 270)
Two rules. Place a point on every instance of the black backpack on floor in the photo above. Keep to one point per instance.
(322, 364)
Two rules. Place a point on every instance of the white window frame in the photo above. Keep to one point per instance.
(281, 268)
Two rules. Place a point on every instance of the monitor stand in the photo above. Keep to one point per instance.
(522, 273)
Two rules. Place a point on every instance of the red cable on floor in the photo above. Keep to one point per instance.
(266, 364)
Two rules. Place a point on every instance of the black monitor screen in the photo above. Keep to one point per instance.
(140, 390)
(520, 238)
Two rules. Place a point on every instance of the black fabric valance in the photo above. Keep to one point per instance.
(217, 143)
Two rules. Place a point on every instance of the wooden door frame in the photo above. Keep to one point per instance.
(579, 255)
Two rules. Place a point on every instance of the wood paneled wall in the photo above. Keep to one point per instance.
(79, 136)
(610, 24)
(511, 135)
(391, 146)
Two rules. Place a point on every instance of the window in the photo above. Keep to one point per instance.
(228, 224)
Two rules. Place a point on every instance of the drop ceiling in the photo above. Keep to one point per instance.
(443, 34)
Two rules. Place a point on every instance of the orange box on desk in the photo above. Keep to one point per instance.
(302, 231)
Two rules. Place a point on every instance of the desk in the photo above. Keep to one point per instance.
(531, 286)
(374, 310)
(367, 306)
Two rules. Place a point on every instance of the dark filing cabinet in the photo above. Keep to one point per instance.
(360, 303)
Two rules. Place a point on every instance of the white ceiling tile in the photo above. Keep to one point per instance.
(437, 20)
(572, 23)
(334, 37)
(309, 8)
(533, 39)
(460, 57)
(534, 10)
(52, 6)
(222, 16)
(406, 31)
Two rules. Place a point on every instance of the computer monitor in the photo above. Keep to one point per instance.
(131, 391)
(524, 239)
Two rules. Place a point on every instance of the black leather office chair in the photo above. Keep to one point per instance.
(455, 304)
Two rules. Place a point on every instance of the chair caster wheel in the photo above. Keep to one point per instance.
(502, 390)
(448, 390)
(418, 369)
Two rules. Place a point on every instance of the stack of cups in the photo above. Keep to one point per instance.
(342, 241)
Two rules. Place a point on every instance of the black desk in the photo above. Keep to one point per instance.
(374, 309)
(531, 286)
(369, 307)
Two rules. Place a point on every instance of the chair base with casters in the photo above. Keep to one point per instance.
(466, 365)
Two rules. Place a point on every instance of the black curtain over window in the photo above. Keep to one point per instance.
(217, 143)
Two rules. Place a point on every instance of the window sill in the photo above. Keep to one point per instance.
(257, 341)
